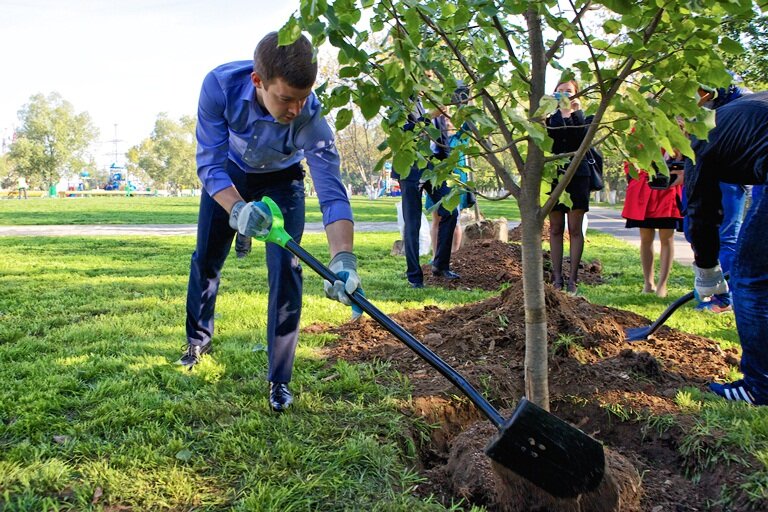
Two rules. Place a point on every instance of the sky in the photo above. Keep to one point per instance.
(124, 62)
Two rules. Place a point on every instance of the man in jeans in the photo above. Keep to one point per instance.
(736, 152)
(411, 187)
(257, 120)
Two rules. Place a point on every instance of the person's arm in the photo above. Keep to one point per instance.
(704, 211)
(212, 135)
(340, 236)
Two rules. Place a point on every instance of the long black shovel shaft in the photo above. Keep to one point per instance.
(668, 312)
(433, 359)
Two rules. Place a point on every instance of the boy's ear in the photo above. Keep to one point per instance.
(257, 81)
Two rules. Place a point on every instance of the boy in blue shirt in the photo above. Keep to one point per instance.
(257, 120)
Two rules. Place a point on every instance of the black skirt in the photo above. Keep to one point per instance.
(660, 223)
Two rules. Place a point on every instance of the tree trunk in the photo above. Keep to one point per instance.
(536, 354)
(536, 363)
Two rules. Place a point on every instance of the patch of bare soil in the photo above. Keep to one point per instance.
(598, 382)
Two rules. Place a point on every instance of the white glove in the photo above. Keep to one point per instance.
(344, 265)
(250, 219)
(709, 281)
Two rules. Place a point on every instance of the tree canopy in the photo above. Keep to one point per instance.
(639, 66)
(167, 156)
(52, 140)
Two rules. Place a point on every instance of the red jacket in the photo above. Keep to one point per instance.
(643, 202)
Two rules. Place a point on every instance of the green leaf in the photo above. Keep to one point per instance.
(290, 32)
(343, 118)
(731, 46)
(184, 455)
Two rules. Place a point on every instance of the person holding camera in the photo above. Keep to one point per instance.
(567, 127)
(413, 185)
(651, 205)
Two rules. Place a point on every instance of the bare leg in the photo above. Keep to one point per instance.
(576, 233)
(667, 239)
(556, 229)
(647, 235)
(433, 232)
(458, 234)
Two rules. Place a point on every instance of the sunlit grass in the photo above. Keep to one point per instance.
(183, 210)
(92, 408)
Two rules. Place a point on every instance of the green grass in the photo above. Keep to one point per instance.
(92, 408)
(183, 210)
(90, 399)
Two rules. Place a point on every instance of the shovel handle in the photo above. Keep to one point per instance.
(279, 236)
(425, 353)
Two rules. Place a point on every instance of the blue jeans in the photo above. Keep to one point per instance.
(412, 222)
(214, 240)
(749, 282)
(734, 200)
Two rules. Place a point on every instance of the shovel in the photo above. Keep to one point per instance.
(642, 333)
(535, 444)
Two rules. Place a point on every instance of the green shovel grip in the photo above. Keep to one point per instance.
(277, 233)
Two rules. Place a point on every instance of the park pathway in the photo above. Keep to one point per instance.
(604, 219)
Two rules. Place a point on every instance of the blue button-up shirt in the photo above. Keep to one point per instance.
(231, 125)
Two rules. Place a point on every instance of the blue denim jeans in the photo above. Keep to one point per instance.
(734, 200)
(412, 205)
(749, 283)
(214, 240)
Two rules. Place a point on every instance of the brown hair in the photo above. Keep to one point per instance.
(571, 81)
(294, 63)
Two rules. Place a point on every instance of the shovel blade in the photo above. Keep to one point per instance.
(547, 451)
(637, 333)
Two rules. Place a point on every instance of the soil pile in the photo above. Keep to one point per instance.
(598, 381)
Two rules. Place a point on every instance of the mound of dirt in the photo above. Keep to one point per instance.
(598, 382)
(487, 264)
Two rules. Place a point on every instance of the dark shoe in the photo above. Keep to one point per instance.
(193, 354)
(241, 255)
(737, 391)
(447, 274)
(280, 397)
(416, 285)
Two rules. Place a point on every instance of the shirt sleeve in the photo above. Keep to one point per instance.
(212, 137)
(316, 138)
(704, 210)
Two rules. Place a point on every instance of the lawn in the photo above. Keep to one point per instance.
(94, 415)
(183, 210)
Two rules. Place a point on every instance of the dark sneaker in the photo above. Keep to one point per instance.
(280, 397)
(447, 274)
(193, 354)
(737, 391)
(416, 285)
(719, 303)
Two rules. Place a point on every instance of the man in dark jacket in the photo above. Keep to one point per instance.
(736, 152)
(411, 187)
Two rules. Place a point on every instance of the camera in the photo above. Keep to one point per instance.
(460, 95)
(662, 181)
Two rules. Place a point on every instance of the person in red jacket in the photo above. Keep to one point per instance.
(652, 209)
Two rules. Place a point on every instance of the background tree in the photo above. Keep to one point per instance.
(51, 141)
(503, 49)
(358, 147)
(6, 178)
(752, 65)
(168, 155)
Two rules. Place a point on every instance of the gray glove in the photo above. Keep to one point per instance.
(709, 281)
(250, 219)
(344, 265)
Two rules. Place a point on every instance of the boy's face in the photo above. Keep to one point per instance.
(282, 101)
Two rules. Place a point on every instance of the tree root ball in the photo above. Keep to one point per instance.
(480, 480)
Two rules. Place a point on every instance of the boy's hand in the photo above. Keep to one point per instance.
(250, 219)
